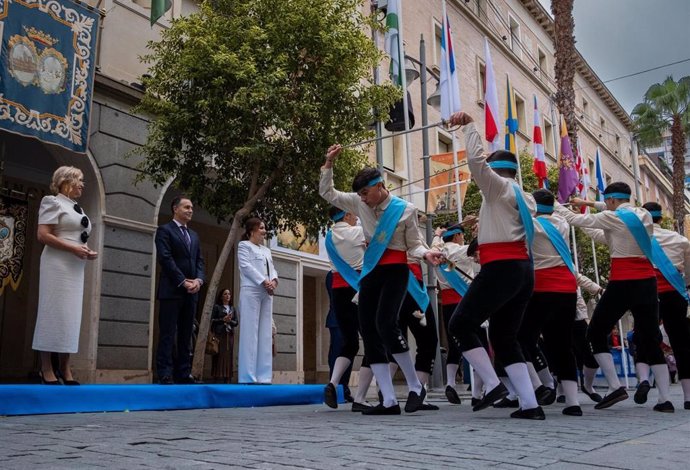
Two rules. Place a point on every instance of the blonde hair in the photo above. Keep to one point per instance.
(63, 175)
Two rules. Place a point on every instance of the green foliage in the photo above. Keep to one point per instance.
(663, 103)
(250, 93)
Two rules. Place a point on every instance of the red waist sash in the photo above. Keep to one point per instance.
(450, 297)
(489, 252)
(393, 257)
(339, 281)
(628, 269)
(662, 284)
(416, 269)
(555, 279)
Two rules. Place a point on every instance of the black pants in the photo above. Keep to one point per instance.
(581, 347)
(381, 295)
(346, 313)
(500, 292)
(175, 316)
(550, 314)
(426, 337)
(453, 349)
(673, 310)
(640, 297)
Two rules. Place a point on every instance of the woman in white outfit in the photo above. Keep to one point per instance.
(64, 229)
(258, 281)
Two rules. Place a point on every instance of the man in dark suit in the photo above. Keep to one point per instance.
(182, 275)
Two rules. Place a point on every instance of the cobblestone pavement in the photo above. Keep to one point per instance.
(626, 436)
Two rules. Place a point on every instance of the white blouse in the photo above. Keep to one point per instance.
(256, 264)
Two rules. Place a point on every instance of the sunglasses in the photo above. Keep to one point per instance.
(84, 223)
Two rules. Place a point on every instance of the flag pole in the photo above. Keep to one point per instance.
(403, 79)
(511, 105)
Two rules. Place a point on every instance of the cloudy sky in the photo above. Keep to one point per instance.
(624, 37)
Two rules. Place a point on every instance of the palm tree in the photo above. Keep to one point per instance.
(566, 59)
(666, 107)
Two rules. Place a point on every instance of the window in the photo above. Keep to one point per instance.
(585, 106)
(608, 179)
(543, 67)
(480, 8)
(514, 36)
(444, 144)
(602, 125)
(520, 112)
(618, 146)
(437, 43)
(481, 79)
(548, 138)
(592, 176)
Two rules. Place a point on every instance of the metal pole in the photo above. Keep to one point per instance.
(636, 168)
(403, 78)
(377, 81)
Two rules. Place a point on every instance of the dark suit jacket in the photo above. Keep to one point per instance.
(177, 261)
(217, 322)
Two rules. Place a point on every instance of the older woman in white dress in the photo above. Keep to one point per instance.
(258, 281)
(64, 230)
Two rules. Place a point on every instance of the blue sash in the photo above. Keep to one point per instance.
(348, 273)
(453, 278)
(637, 230)
(525, 215)
(383, 234)
(664, 264)
(418, 293)
(558, 242)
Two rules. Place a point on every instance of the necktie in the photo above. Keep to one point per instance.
(187, 239)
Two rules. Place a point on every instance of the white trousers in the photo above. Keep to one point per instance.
(256, 339)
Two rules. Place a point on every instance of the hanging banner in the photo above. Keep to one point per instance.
(442, 196)
(48, 58)
(13, 216)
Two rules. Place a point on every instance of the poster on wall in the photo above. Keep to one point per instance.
(442, 194)
(13, 216)
(48, 57)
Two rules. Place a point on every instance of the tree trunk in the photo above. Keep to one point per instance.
(564, 42)
(678, 153)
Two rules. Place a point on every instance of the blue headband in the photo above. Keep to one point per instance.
(503, 164)
(655, 214)
(338, 216)
(544, 209)
(616, 196)
(450, 233)
(375, 181)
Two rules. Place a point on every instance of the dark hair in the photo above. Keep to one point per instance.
(334, 210)
(250, 225)
(448, 238)
(363, 177)
(618, 187)
(219, 297)
(653, 206)
(543, 197)
(503, 156)
(472, 247)
(177, 200)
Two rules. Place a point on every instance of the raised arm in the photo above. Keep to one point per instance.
(343, 200)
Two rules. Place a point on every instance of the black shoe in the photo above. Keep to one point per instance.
(348, 394)
(507, 403)
(452, 395)
(475, 401)
(612, 398)
(166, 380)
(414, 402)
(686, 405)
(545, 395)
(499, 391)
(594, 396)
(189, 380)
(330, 396)
(359, 407)
(574, 410)
(665, 407)
(640, 396)
(429, 407)
(70, 382)
(560, 399)
(48, 382)
(380, 395)
(382, 410)
(533, 413)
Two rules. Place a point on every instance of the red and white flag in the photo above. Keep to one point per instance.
(491, 126)
(539, 166)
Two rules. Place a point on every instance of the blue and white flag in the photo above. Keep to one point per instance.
(599, 175)
(450, 89)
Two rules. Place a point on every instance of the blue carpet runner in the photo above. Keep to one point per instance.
(50, 399)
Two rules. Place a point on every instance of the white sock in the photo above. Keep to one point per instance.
(512, 394)
(546, 377)
(642, 371)
(685, 383)
(663, 381)
(452, 373)
(589, 374)
(478, 389)
(383, 378)
(533, 375)
(406, 364)
(339, 368)
(523, 385)
(570, 391)
(479, 359)
(365, 377)
(605, 361)
(559, 390)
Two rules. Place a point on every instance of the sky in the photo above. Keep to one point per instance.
(623, 37)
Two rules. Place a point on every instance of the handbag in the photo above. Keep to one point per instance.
(212, 344)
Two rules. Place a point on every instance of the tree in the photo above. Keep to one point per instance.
(666, 107)
(566, 59)
(247, 96)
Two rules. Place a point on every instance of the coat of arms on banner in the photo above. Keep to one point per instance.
(12, 243)
(46, 82)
